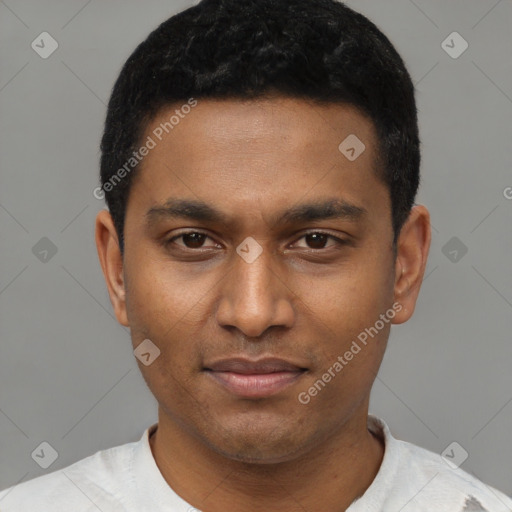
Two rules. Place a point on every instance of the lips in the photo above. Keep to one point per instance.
(254, 379)
(247, 367)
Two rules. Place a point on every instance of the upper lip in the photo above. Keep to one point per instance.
(248, 366)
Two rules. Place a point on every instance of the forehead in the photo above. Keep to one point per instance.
(256, 156)
(261, 125)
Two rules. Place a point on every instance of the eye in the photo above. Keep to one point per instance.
(319, 239)
(191, 240)
(315, 240)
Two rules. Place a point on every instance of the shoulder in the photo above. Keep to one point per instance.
(81, 487)
(446, 477)
(438, 479)
(413, 479)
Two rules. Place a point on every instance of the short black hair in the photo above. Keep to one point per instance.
(318, 50)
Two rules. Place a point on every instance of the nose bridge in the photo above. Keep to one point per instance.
(253, 297)
(254, 280)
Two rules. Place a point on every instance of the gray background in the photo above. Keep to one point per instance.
(67, 372)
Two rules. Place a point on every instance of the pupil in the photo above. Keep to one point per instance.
(196, 240)
(317, 238)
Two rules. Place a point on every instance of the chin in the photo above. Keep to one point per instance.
(257, 443)
(255, 455)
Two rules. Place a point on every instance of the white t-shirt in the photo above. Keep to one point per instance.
(126, 479)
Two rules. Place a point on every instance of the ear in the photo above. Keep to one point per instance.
(413, 245)
(111, 262)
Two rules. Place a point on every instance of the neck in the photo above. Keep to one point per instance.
(333, 475)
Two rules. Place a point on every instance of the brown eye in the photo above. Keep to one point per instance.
(318, 240)
(193, 240)
(190, 240)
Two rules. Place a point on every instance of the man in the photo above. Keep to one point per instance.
(260, 162)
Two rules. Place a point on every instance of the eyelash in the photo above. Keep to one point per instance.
(339, 241)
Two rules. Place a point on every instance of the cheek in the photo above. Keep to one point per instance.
(162, 296)
(155, 313)
(350, 297)
(346, 308)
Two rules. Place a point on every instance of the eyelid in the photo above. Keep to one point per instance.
(337, 239)
(188, 232)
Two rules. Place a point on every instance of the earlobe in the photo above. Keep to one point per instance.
(412, 253)
(111, 261)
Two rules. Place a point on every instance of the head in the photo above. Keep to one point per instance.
(260, 162)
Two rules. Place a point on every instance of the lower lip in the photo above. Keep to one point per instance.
(255, 385)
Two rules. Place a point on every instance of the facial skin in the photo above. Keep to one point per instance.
(304, 299)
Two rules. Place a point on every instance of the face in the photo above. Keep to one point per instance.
(256, 255)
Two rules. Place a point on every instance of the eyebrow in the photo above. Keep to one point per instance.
(307, 212)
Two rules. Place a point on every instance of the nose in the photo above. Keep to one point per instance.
(255, 296)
